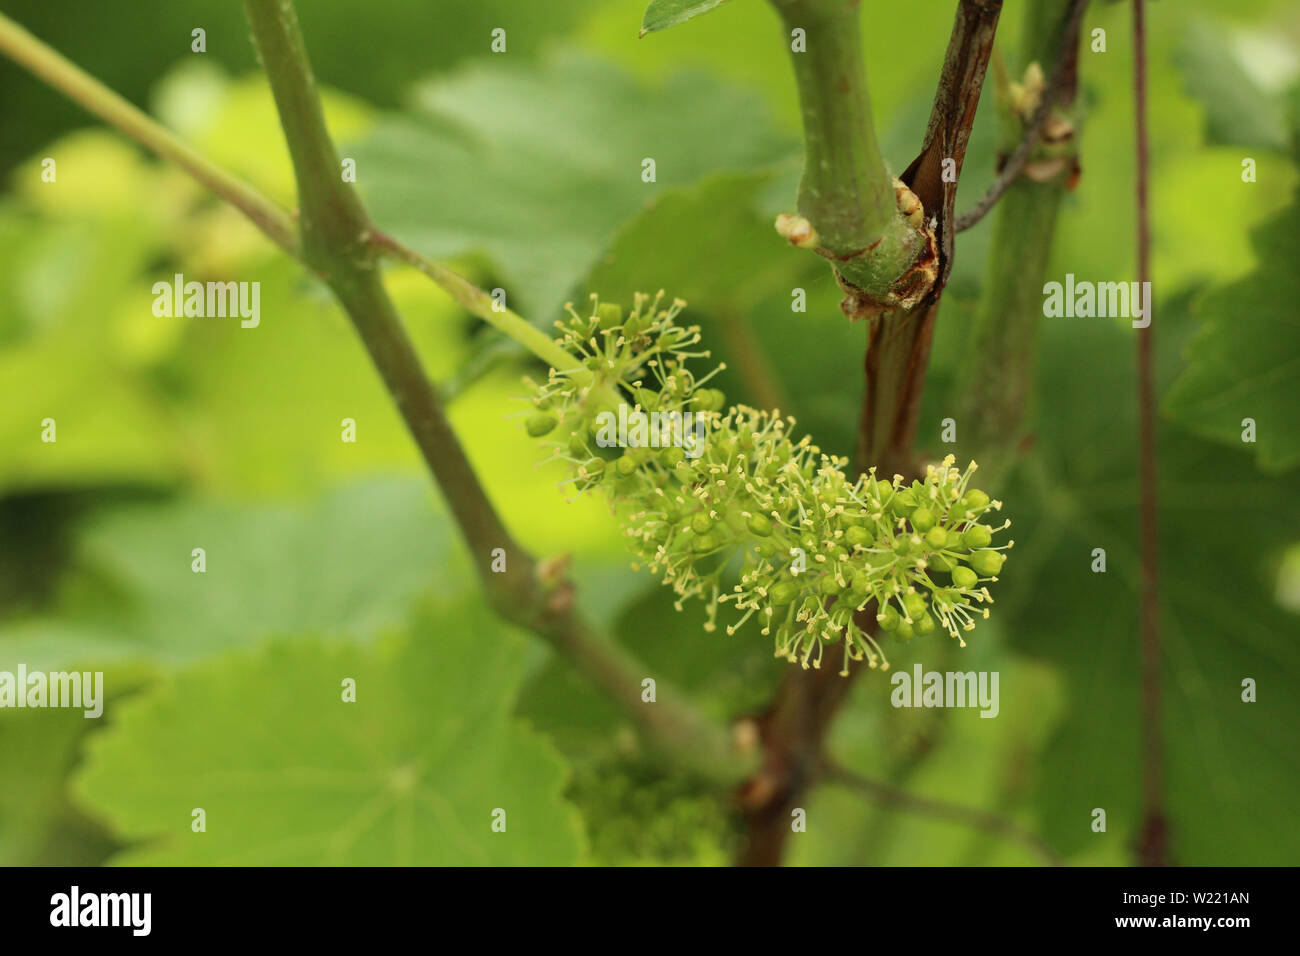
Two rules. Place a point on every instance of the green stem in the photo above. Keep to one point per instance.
(888, 795)
(847, 192)
(477, 302)
(97, 99)
(996, 383)
(338, 241)
(998, 379)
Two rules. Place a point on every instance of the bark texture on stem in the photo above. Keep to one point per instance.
(898, 342)
(794, 727)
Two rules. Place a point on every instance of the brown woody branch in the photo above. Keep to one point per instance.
(1058, 89)
(793, 728)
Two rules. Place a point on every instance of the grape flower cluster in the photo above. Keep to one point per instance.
(812, 549)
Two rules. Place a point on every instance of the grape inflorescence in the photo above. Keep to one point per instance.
(813, 549)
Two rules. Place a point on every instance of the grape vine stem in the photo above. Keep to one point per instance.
(1153, 841)
(333, 237)
(893, 797)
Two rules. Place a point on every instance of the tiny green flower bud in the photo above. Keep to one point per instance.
(977, 536)
(858, 537)
(708, 400)
(925, 624)
(889, 618)
(987, 563)
(783, 592)
(964, 577)
(922, 519)
(701, 522)
(669, 338)
(861, 583)
(704, 542)
(626, 465)
(609, 315)
(902, 502)
(936, 538)
(975, 499)
(915, 605)
(542, 423)
(904, 631)
(646, 398)
(829, 585)
(759, 524)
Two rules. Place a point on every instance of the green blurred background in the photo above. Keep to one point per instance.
(328, 560)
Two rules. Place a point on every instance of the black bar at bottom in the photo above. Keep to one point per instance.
(335, 905)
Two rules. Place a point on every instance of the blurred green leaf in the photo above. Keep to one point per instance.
(37, 750)
(409, 41)
(1223, 528)
(289, 774)
(347, 565)
(708, 245)
(953, 756)
(662, 14)
(538, 169)
(1245, 361)
(1237, 109)
(70, 257)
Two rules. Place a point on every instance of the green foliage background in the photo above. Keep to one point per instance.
(329, 560)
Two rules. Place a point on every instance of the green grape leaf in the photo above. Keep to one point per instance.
(1245, 361)
(709, 246)
(538, 169)
(289, 774)
(1237, 109)
(347, 565)
(1223, 530)
(78, 408)
(662, 14)
(37, 826)
(414, 38)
